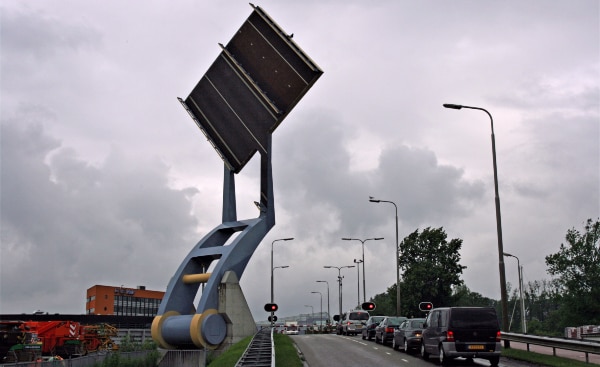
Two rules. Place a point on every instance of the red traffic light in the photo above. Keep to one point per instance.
(425, 306)
(271, 307)
(368, 306)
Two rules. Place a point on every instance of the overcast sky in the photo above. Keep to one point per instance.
(106, 180)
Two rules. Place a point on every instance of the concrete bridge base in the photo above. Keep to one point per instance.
(234, 309)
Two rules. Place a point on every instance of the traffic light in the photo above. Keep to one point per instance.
(368, 306)
(271, 307)
(425, 306)
(272, 319)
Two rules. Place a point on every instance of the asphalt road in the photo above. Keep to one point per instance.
(330, 350)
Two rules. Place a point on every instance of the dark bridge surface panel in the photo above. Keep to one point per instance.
(250, 88)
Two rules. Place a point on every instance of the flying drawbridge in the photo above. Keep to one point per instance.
(256, 80)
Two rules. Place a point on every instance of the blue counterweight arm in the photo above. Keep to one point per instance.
(178, 323)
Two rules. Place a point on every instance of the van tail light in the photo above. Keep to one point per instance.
(450, 336)
(498, 336)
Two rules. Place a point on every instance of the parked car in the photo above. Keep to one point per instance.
(408, 335)
(368, 331)
(384, 332)
(469, 332)
(354, 321)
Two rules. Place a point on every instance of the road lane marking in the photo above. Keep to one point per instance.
(356, 341)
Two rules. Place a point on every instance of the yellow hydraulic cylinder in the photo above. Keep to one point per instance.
(196, 278)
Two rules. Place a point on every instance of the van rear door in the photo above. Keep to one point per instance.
(475, 329)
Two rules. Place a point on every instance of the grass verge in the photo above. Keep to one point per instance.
(232, 355)
(543, 359)
(285, 351)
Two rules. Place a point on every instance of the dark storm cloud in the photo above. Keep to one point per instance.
(315, 173)
(40, 45)
(112, 221)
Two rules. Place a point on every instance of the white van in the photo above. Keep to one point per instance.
(354, 321)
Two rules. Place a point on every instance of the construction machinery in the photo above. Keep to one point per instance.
(99, 337)
(17, 344)
(29, 340)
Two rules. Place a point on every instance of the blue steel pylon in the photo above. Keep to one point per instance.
(178, 323)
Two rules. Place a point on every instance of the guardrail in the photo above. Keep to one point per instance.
(555, 343)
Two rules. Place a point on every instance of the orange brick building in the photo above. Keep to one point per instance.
(121, 301)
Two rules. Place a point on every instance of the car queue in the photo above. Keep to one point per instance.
(400, 332)
(446, 333)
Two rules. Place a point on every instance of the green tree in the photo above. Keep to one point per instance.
(542, 297)
(577, 268)
(430, 267)
(386, 302)
(463, 296)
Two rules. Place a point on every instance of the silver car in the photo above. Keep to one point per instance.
(354, 321)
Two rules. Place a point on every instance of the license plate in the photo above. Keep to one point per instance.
(359, 326)
(476, 347)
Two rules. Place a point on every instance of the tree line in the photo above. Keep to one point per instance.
(430, 264)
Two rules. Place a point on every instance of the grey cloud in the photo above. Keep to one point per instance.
(315, 173)
(84, 224)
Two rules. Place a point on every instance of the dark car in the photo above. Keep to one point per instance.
(469, 332)
(368, 332)
(384, 332)
(408, 335)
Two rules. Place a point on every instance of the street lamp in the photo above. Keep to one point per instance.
(363, 260)
(272, 271)
(312, 313)
(520, 270)
(398, 308)
(321, 314)
(357, 262)
(339, 268)
(272, 268)
(328, 310)
(272, 293)
(503, 296)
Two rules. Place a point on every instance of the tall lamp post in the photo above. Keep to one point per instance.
(397, 245)
(272, 271)
(328, 310)
(503, 296)
(272, 268)
(312, 310)
(363, 260)
(339, 268)
(357, 262)
(321, 314)
(520, 270)
(273, 293)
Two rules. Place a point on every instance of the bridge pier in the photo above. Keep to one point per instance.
(234, 308)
